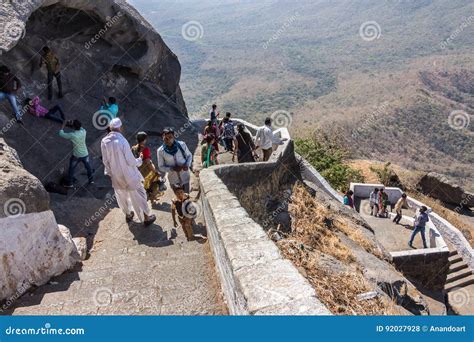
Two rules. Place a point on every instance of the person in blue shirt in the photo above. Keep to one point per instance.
(421, 218)
(111, 106)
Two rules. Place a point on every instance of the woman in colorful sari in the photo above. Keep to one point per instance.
(208, 152)
(212, 128)
(153, 184)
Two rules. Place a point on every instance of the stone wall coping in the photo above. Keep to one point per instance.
(256, 278)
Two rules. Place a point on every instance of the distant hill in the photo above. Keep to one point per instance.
(387, 74)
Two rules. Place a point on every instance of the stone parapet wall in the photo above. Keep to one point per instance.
(256, 279)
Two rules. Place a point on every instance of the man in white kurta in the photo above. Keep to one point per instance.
(122, 167)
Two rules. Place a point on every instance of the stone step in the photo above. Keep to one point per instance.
(458, 275)
(454, 259)
(459, 283)
(460, 265)
(452, 253)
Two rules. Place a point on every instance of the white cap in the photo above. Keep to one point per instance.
(115, 123)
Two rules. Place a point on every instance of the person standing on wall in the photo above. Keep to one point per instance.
(9, 85)
(80, 154)
(401, 203)
(122, 167)
(175, 159)
(421, 218)
(53, 67)
(265, 139)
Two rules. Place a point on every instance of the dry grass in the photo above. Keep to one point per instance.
(337, 291)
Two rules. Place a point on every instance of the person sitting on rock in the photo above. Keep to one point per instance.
(421, 218)
(175, 159)
(179, 207)
(9, 85)
(122, 167)
(110, 106)
(402, 202)
(374, 202)
(348, 200)
(35, 108)
(80, 153)
(208, 152)
(53, 67)
(153, 184)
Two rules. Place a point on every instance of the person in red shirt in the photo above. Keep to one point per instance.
(153, 184)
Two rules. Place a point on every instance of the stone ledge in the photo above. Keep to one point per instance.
(255, 278)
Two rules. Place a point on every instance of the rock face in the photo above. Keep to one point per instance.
(33, 248)
(439, 187)
(105, 49)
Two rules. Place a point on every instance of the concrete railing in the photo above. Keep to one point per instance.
(256, 279)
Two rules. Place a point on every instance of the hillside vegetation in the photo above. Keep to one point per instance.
(308, 58)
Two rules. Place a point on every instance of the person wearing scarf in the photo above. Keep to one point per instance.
(175, 159)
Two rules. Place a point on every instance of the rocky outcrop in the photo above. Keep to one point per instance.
(105, 49)
(33, 247)
(438, 186)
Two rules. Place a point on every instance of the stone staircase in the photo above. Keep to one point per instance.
(459, 274)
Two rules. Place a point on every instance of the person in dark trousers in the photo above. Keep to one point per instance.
(228, 133)
(421, 218)
(9, 85)
(243, 146)
(53, 67)
(80, 153)
(35, 108)
(401, 203)
(214, 114)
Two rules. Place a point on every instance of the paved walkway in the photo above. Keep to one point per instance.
(392, 236)
(134, 270)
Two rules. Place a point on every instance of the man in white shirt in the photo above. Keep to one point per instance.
(374, 202)
(121, 166)
(175, 159)
(265, 139)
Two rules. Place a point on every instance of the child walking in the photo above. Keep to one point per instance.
(179, 207)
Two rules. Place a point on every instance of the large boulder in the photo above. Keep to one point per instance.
(33, 247)
(438, 186)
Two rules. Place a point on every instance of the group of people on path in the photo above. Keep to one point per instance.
(236, 140)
